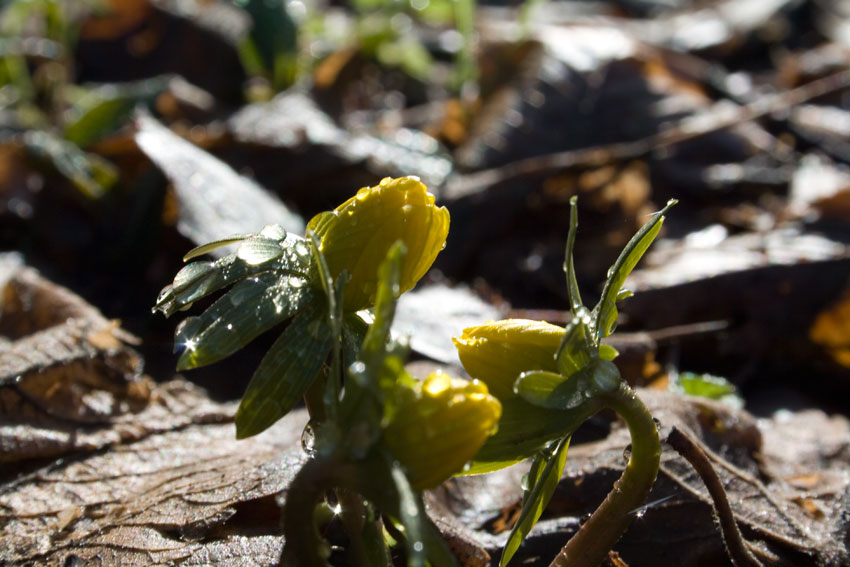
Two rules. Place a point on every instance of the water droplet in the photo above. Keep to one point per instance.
(418, 546)
(229, 326)
(302, 249)
(191, 272)
(640, 513)
(162, 294)
(363, 193)
(358, 367)
(627, 452)
(258, 250)
(308, 440)
(296, 282)
(525, 483)
(610, 272)
(273, 231)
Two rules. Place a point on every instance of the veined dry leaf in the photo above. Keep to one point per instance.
(193, 496)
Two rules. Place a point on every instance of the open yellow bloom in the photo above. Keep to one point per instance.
(438, 426)
(498, 351)
(357, 235)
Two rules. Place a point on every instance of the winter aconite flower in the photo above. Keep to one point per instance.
(275, 277)
(438, 425)
(356, 236)
(498, 351)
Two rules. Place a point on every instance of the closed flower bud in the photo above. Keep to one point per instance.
(438, 425)
(499, 351)
(357, 235)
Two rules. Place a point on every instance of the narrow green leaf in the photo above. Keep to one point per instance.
(569, 266)
(334, 294)
(389, 275)
(285, 372)
(605, 312)
(412, 516)
(252, 307)
(542, 480)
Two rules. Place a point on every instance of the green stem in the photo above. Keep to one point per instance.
(590, 545)
(303, 545)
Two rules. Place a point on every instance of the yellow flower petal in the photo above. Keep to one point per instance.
(439, 425)
(498, 351)
(357, 235)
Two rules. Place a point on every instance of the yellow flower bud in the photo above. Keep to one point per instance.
(438, 425)
(498, 351)
(357, 235)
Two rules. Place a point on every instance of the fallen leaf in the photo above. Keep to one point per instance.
(215, 201)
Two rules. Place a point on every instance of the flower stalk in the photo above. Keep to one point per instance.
(590, 545)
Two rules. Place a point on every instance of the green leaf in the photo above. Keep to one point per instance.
(201, 278)
(252, 307)
(90, 173)
(274, 37)
(576, 348)
(705, 385)
(214, 245)
(524, 429)
(605, 312)
(607, 352)
(412, 516)
(569, 266)
(389, 276)
(96, 111)
(542, 479)
(285, 372)
(552, 390)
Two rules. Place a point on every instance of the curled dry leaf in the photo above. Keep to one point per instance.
(69, 381)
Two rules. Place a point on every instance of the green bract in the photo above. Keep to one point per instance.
(274, 276)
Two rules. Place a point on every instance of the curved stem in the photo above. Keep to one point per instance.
(302, 542)
(590, 545)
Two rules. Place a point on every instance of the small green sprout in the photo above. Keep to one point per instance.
(550, 380)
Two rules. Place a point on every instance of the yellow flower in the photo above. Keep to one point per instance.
(357, 235)
(438, 425)
(498, 351)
